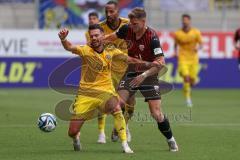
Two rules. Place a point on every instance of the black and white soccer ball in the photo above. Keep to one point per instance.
(47, 122)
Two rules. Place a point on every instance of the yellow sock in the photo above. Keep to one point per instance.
(187, 90)
(128, 112)
(120, 125)
(101, 123)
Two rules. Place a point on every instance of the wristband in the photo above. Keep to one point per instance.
(147, 64)
(63, 40)
(145, 74)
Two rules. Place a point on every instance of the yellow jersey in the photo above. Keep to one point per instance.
(187, 43)
(118, 43)
(96, 69)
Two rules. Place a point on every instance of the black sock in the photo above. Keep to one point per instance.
(165, 128)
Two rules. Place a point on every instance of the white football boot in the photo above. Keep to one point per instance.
(101, 138)
(189, 102)
(126, 148)
(173, 147)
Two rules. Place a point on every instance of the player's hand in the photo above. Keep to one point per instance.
(105, 40)
(152, 64)
(137, 81)
(160, 60)
(63, 33)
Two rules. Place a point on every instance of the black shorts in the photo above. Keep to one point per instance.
(149, 88)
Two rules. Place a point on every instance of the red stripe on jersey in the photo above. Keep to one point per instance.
(141, 48)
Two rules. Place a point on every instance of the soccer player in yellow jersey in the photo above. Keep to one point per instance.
(188, 41)
(96, 92)
(112, 23)
(92, 19)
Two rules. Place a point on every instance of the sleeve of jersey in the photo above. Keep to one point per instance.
(118, 55)
(79, 50)
(122, 32)
(156, 47)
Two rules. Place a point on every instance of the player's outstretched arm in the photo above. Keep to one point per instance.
(63, 33)
(158, 66)
(132, 60)
(110, 37)
(141, 62)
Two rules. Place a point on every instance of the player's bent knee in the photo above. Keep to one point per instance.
(116, 109)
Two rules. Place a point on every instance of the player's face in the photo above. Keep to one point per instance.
(186, 22)
(96, 38)
(137, 24)
(111, 12)
(93, 20)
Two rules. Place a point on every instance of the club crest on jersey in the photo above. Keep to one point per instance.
(108, 57)
(141, 47)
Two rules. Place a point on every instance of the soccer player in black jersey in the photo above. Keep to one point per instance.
(144, 44)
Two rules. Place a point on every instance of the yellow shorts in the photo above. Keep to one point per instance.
(86, 107)
(188, 69)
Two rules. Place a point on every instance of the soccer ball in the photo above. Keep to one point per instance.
(47, 122)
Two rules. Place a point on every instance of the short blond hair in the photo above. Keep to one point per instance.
(137, 13)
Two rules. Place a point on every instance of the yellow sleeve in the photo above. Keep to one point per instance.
(79, 50)
(124, 20)
(118, 55)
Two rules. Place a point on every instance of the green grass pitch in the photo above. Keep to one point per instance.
(210, 130)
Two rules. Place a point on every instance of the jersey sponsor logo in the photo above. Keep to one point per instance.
(141, 47)
(158, 51)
